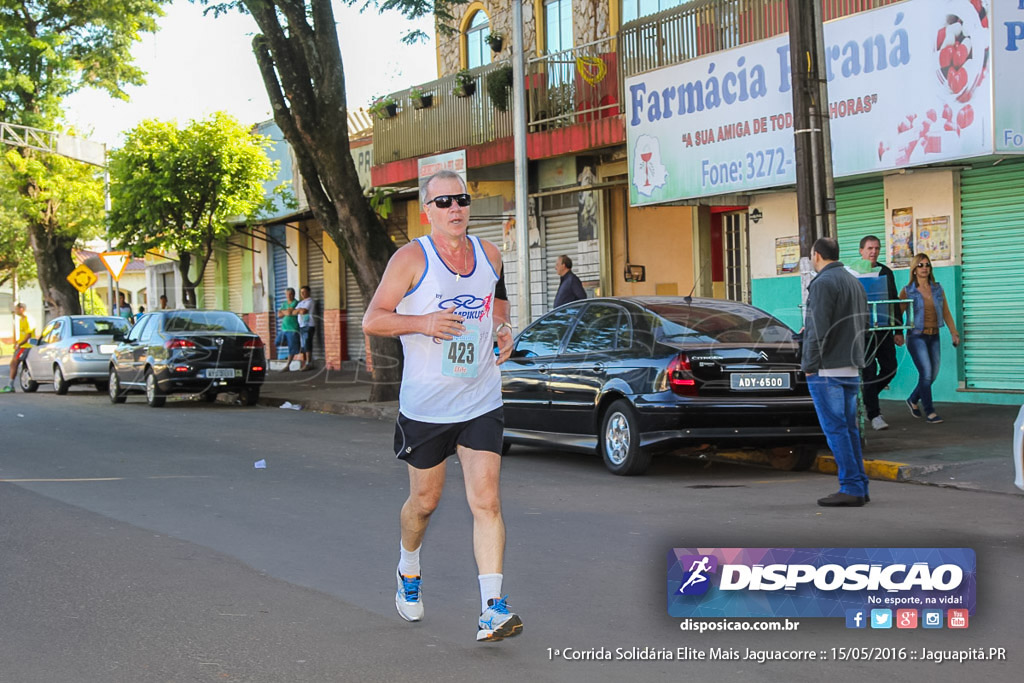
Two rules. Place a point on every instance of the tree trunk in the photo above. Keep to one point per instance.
(188, 288)
(305, 81)
(54, 262)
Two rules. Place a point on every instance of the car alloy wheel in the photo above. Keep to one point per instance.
(28, 385)
(154, 397)
(59, 384)
(114, 388)
(620, 441)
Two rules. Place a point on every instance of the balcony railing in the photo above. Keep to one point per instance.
(573, 86)
(704, 26)
(584, 83)
(450, 122)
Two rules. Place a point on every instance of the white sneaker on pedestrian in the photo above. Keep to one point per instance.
(407, 599)
(878, 423)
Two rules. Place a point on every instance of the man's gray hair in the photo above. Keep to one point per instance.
(440, 175)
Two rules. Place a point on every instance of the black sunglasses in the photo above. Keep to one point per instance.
(924, 265)
(443, 201)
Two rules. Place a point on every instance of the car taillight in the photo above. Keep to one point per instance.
(179, 344)
(680, 376)
(80, 347)
(256, 343)
(257, 368)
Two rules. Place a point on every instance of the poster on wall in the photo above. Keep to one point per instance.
(901, 238)
(787, 255)
(931, 236)
(586, 207)
(908, 84)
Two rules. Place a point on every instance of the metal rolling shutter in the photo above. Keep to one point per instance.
(561, 235)
(279, 257)
(354, 310)
(235, 279)
(315, 280)
(210, 284)
(860, 211)
(992, 226)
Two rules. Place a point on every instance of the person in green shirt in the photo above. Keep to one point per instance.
(289, 326)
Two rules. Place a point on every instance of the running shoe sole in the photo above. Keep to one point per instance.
(511, 628)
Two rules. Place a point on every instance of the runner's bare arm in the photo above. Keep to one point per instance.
(403, 272)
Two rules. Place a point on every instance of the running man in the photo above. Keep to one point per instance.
(443, 295)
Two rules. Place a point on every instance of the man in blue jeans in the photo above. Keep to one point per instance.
(833, 355)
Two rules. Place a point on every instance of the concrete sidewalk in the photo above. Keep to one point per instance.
(971, 450)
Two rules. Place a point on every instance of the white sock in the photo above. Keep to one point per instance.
(490, 588)
(409, 561)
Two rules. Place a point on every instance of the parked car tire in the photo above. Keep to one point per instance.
(60, 385)
(114, 388)
(28, 385)
(209, 396)
(620, 441)
(154, 397)
(101, 386)
(796, 458)
(250, 395)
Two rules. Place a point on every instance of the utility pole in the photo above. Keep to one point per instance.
(524, 308)
(815, 193)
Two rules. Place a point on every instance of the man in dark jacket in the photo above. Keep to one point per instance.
(833, 354)
(569, 288)
(880, 353)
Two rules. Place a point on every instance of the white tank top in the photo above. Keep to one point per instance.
(457, 380)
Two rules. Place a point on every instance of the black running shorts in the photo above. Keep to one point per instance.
(425, 444)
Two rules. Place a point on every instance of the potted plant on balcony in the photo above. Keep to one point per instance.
(494, 39)
(499, 83)
(384, 107)
(420, 99)
(465, 84)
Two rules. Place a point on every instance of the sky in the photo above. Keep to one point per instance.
(197, 65)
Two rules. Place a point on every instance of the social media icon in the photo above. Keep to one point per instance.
(881, 618)
(957, 618)
(931, 618)
(856, 618)
(906, 618)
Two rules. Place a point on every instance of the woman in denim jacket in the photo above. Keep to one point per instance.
(931, 313)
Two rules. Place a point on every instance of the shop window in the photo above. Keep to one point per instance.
(634, 9)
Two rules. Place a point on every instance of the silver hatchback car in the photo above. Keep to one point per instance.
(72, 349)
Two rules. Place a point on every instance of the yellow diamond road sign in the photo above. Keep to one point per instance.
(82, 278)
(115, 261)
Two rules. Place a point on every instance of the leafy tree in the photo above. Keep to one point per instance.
(180, 189)
(48, 50)
(299, 58)
(15, 253)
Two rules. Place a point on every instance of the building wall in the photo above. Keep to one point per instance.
(661, 239)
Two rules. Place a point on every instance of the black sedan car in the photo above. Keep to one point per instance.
(627, 377)
(188, 351)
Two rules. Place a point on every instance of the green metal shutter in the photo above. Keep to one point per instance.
(860, 211)
(992, 229)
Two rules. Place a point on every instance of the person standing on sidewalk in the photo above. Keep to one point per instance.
(21, 346)
(931, 313)
(835, 327)
(880, 354)
(306, 314)
(569, 286)
(443, 295)
(289, 326)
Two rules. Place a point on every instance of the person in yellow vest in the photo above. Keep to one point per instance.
(25, 331)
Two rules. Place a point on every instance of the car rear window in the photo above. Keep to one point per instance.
(204, 321)
(733, 323)
(97, 326)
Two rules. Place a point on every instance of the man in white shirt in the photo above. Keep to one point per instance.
(306, 313)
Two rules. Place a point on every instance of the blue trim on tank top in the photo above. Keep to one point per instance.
(426, 267)
(469, 274)
(482, 251)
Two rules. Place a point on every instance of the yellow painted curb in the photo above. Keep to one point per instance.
(875, 469)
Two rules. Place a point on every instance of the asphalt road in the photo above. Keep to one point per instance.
(142, 545)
